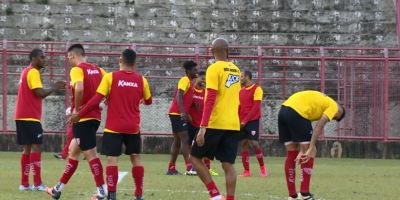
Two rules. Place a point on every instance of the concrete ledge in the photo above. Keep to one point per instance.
(161, 145)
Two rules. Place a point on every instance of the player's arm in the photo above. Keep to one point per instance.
(148, 100)
(102, 91)
(35, 84)
(183, 86)
(76, 76)
(257, 97)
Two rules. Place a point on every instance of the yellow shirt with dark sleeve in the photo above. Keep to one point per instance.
(312, 105)
(224, 77)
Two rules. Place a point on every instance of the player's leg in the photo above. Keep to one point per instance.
(192, 131)
(70, 168)
(244, 143)
(70, 136)
(183, 135)
(253, 129)
(208, 149)
(292, 151)
(178, 125)
(25, 168)
(306, 171)
(35, 155)
(226, 153)
(87, 135)
(133, 145)
(112, 147)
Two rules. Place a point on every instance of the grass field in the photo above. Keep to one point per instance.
(333, 179)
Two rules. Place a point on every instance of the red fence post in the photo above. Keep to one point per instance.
(4, 82)
(322, 60)
(259, 65)
(51, 62)
(386, 96)
(284, 74)
(66, 65)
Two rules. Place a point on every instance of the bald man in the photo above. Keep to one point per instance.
(219, 128)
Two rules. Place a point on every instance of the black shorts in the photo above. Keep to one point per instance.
(85, 133)
(192, 132)
(293, 127)
(251, 131)
(178, 125)
(221, 144)
(29, 132)
(112, 144)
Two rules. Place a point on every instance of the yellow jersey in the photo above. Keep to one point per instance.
(312, 105)
(224, 77)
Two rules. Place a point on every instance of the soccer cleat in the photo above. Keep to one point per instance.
(53, 193)
(213, 172)
(307, 197)
(218, 198)
(264, 172)
(25, 188)
(291, 198)
(191, 172)
(246, 173)
(58, 156)
(40, 187)
(139, 198)
(97, 197)
(173, 172)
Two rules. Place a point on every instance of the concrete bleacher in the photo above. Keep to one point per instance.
(255, 22)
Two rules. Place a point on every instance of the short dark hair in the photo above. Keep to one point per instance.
(77, 48)
(202, 73)
(35, 53)
(343, 114)
(189, 64)
(248, 74)
(129, 56)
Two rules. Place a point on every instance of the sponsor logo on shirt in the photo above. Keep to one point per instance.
(232, 79)
(123, 83)
(92, 72)
(198, 97)
(39, 135)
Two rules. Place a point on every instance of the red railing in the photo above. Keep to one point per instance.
(364, 80)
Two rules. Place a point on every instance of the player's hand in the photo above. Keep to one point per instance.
(305, 157)
(242, 124)
(185, 117)
(200, 136)
(59, 85)
(74, 118)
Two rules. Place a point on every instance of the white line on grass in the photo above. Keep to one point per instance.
(121, 176)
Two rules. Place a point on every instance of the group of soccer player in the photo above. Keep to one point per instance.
(212, 113)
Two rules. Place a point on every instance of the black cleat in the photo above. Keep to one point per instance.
(53, 193)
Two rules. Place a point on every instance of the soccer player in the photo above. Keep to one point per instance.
(64, 153)
(196, 112)
(178, 114)
(28, 113)
(85, 78)
(219, 128)
(249, 115)
(296, 132)
(124, 91)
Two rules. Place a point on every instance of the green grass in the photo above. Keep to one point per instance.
(333, 179)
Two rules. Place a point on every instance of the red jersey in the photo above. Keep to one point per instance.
(29, 106)
(247, 97)
(196, 110)
(184, 84)
(91, 79)
(124, 91)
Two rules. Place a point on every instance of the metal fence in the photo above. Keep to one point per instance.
(364, 80)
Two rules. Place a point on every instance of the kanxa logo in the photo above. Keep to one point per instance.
(232, 79)
(123, 83)
(92, 72)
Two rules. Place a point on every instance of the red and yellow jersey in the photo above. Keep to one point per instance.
(124, 91)
(184, 84)
(312, 105)
(196, 110)
(247, 97)
(90, 75)
(29, 106)
(224, 77)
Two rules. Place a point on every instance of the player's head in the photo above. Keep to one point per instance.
(245, 77)
(127, 59)
(340, 114)
(219, 49)
(190, 68)
(201, 80)
(37, 58)
(76, 54)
